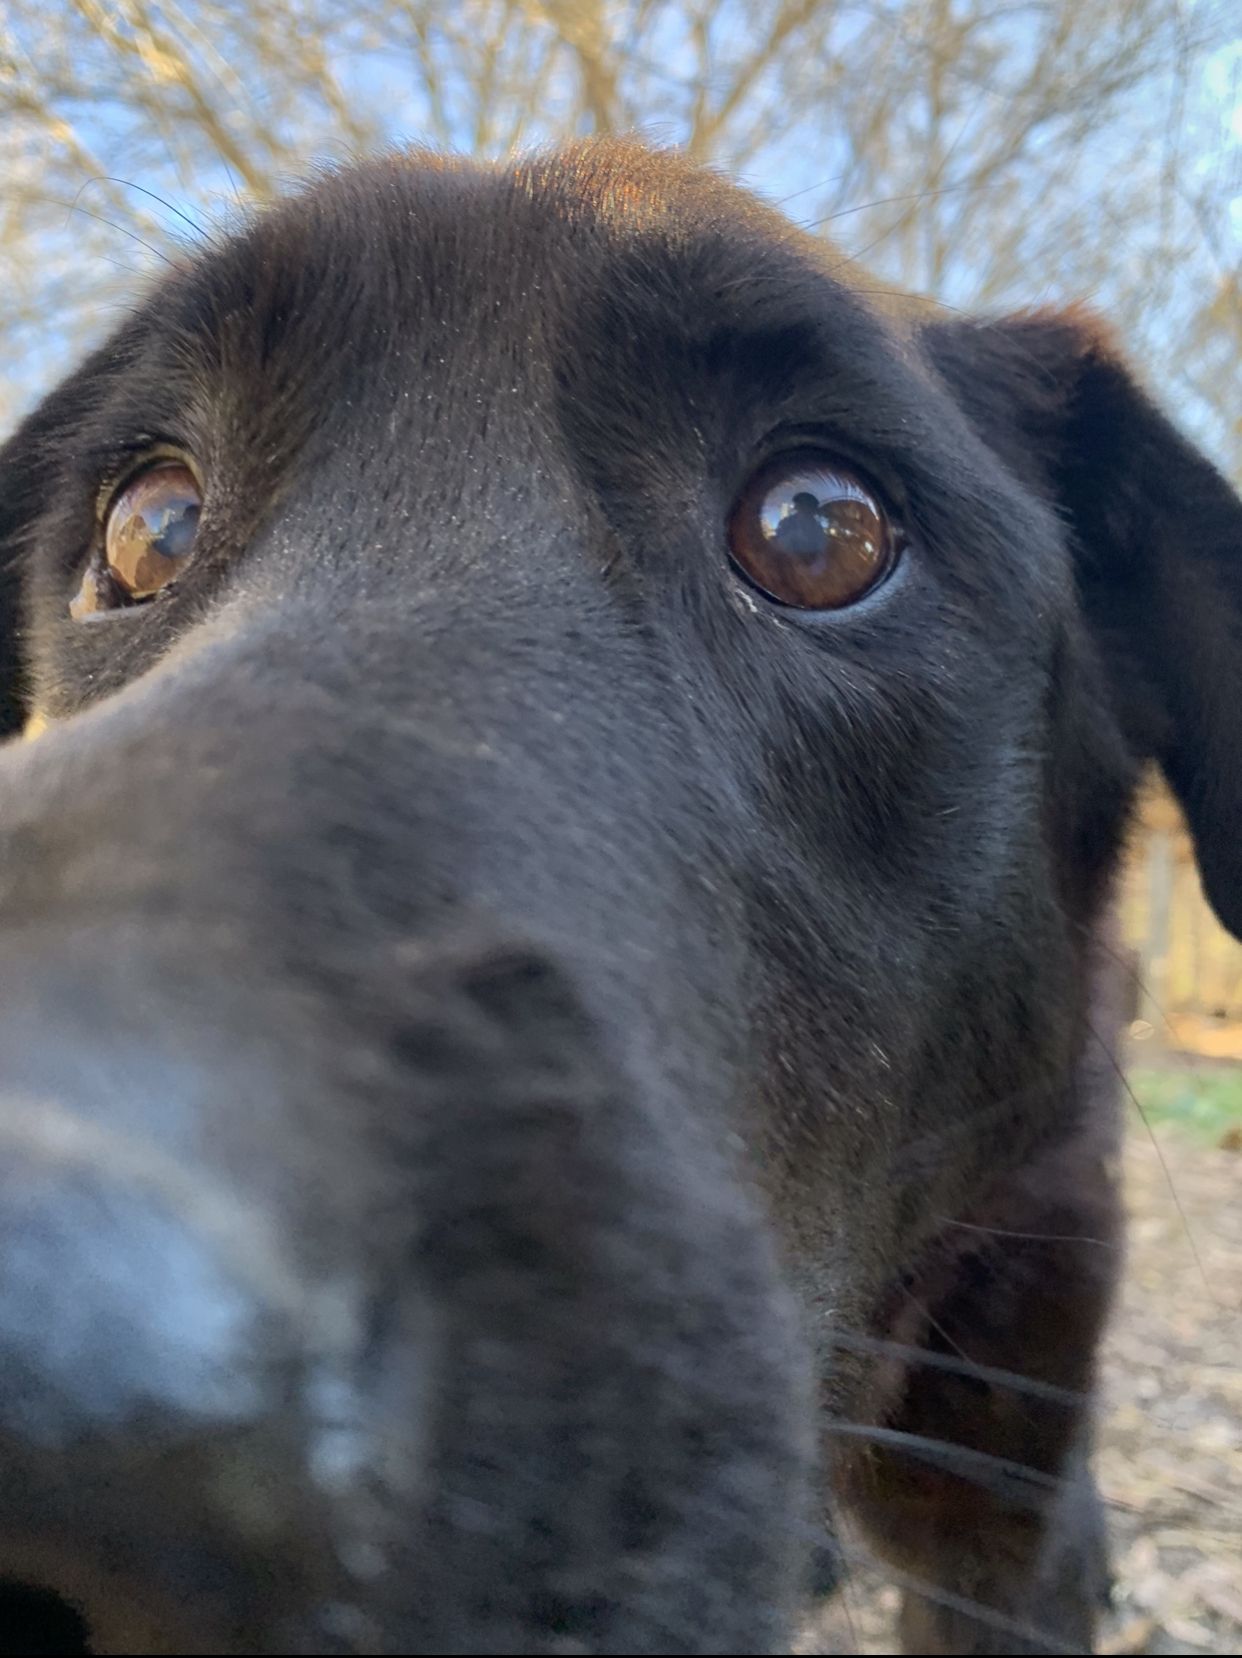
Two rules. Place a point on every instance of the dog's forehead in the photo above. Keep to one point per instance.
(568, 298)
(505, 256)
(607, 325)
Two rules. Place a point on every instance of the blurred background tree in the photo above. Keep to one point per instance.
(988, 152)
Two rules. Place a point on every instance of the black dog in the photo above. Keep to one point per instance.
(556, 915)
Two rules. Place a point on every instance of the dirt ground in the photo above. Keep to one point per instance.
(1170, 1459)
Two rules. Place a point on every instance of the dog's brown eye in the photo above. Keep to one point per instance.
(810, 533)
(148, 536)
(150, 528)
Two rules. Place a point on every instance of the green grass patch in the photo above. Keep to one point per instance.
(1205, 1103)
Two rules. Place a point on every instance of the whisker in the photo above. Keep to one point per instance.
(120, 265)
(890, 201)
(1029, 1237)
(820, 184)
(124, 230)
(1168, 1177)
(941, 1597)
(1013, 1481)
(128, 184)
(989, 1373)
(1121, 959)
(844, 1594)
(934, 1324)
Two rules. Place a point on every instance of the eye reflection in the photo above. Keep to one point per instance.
(151, 529)
(149, 533)
(810, 534)
(806, 514)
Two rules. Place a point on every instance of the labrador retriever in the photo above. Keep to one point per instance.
(555, 1017)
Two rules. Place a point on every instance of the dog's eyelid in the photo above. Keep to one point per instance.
(120, 470)
(879, 468)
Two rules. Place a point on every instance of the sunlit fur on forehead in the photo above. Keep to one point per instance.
(418, 260)
(614, 193)
(483, 228)
(606, 305)
(627, 187)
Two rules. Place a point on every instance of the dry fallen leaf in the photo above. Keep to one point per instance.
(1131, 1637)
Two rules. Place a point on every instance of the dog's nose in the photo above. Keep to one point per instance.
(113, 1307)
(154, 1445)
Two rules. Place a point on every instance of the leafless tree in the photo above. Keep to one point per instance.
(988, 152)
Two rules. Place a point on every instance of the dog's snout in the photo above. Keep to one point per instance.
(162, 1394)
(125, 1344)
(111, 1305)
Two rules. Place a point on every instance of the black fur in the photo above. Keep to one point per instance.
(494, 1013)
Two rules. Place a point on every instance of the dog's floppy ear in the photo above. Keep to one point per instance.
(1157, 541)
(12, 505)
(29, 484)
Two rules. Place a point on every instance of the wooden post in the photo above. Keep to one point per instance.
(1156, 945)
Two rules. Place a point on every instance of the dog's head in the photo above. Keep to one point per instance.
(579, 762)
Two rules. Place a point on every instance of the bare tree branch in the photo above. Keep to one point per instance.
(990, 152)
